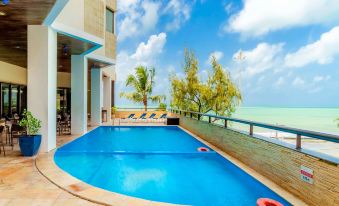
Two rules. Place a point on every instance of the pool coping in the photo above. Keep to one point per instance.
(47, 167)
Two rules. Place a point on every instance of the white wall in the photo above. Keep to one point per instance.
(73, 15)
(11, 73)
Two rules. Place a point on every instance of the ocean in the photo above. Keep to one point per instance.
(315, 119)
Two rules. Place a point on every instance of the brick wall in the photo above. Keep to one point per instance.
(277, 163)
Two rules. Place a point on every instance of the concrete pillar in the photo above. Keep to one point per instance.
(108, 97)
(79, 94)
(96, 96)
(42, 81)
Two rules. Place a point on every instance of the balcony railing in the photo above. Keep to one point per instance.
(298, 132)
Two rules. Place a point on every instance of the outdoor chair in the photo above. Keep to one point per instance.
(142, 117)
(152, 117)
(162, 117)
(16, 132)
(64, 124)
(130, 117)
(2, 145)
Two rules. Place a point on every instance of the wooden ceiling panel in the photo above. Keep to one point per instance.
(13, 27)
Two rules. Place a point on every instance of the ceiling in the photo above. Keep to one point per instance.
(13, 27)
(13, 38)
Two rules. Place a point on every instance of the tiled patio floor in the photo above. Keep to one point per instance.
(22, 184)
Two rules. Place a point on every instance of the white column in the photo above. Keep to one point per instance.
(42, 81)
(108, 97)
(96, 96)
(79, 94)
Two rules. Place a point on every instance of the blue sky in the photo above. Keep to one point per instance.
(291, 48)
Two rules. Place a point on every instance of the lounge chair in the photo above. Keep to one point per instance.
(152, 116)
(162, 117)
(142, 117)
(130, 117)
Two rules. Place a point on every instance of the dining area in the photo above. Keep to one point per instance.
(10, 131)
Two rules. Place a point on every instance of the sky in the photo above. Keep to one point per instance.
(290, 48)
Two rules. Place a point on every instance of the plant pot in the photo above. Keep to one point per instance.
(29, 145)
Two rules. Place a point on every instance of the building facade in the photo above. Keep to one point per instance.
(58, 56)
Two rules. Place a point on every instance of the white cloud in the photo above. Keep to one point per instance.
(216, 54)
(320, 78)
(146, 55)
(180, 12)
(262, 58)
(259, 17)
(137, 17)
(279, 82)
(322, 51)
(298, 82)
(140, 17)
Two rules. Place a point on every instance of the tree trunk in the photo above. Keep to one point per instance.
(145, 103)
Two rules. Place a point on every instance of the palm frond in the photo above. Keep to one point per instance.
(132, 96)
(157, 98)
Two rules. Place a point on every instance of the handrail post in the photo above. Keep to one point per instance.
(225, 123)
(191, 115)
(251, 129)
(298, 142)
(209, 120)
(198, 116)
(180, 112)
(185, 114)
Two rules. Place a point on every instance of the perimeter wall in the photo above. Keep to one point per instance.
(275, 162)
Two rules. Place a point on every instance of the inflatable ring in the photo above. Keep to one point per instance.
(268, 202)
(203, 149)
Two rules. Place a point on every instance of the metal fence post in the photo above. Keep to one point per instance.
(225, 123)
(198, 116)
(251, 129)
(298, 143)
(191, 115)
(209, 119)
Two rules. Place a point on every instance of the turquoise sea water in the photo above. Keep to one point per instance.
(316, 119)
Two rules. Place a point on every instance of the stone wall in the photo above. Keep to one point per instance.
(94, 17)
(277, 163)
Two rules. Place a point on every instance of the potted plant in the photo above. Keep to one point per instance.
(30, 143)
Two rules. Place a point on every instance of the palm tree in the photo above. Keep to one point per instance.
(142, 82)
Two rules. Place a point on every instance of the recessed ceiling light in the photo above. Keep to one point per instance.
(2, 13)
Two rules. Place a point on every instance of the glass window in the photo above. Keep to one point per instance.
(109, 20)
(14, 99)
(5, 99)
(23, 98)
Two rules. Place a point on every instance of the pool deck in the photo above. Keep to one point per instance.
(28, 181)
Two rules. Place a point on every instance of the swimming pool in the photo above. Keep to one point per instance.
(159, 164)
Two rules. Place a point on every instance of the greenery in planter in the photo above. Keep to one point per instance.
(114, 110)
(31, 123)
(162, 106)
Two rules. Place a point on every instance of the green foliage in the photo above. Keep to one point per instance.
(162, 106)
(114, 109)
(142, 82)
(337, 120)
(31, 123)
(219, 94)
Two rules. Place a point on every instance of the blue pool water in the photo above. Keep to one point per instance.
(159, 164)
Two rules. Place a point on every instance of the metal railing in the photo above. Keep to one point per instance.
(298, 132)
(140, 109)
